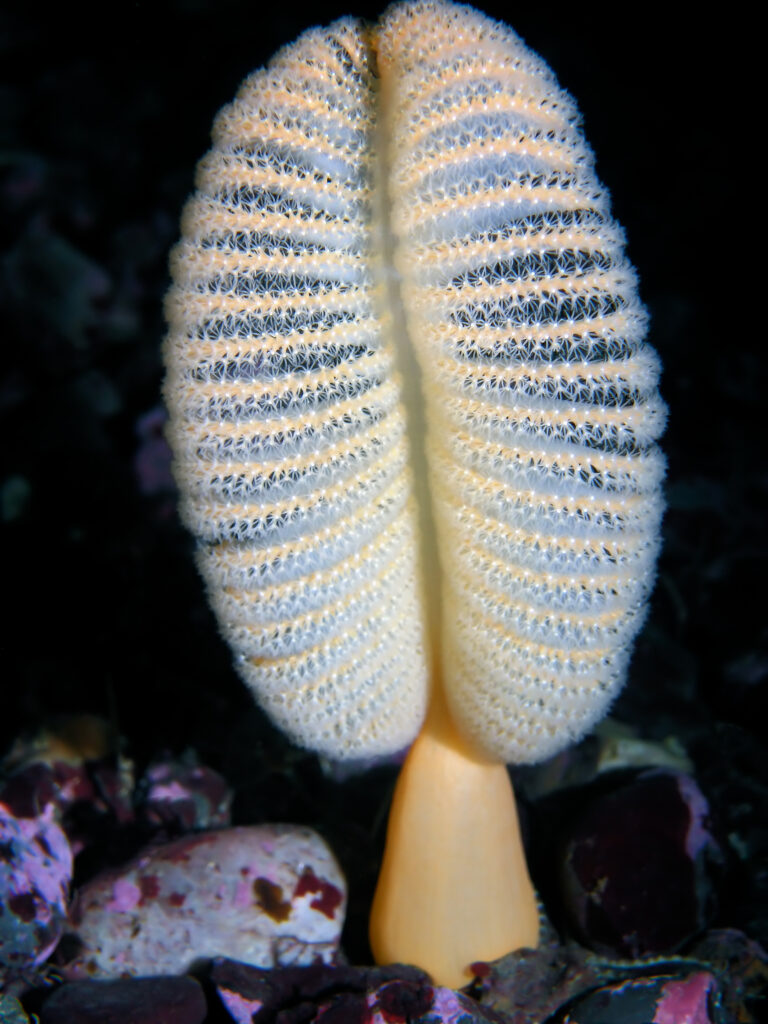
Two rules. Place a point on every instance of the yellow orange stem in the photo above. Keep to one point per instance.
(454, 886)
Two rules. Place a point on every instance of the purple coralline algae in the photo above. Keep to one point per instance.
(183, 795)
(35, 873)
(70, 765)
(689, 1000)
(265, 895)
(395, 994)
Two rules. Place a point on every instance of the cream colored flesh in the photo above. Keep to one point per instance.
(454, 887)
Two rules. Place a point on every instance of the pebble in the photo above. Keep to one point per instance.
(664, 1000)
(157, 1000)
(612, 746)
(723, 974)
(637, 870)
(35, 873)
(341, 995)
(11, 1010)
(183, 795)
(71, 764)
(266, 895)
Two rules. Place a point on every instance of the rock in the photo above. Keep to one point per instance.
(11, 1010)
(661, 1000)
(610, 747)
(397, 1002)
(156, 1000)
(264, 895)
(183, 795)
(535, 985)
(71, 764)
(247, 991)
(740, 965)
(530, 985)
(341, 995)
(35, 872)
(637, 866)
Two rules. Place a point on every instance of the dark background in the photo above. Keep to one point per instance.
(104, 115)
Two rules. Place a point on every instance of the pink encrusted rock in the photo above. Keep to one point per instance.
(184, 795)
(395, 994)
(655, 1000)
(686, 1000)
(266, 895)
(73, 764)
(391, 1004)
(35, 872)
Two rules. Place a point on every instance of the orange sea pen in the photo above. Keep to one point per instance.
(414, 422)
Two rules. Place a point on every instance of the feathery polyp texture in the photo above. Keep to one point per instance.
(439, 137)
(288, 434)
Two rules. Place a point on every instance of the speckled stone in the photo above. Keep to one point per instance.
(35, 872)
(127, 1001)
(265, 895)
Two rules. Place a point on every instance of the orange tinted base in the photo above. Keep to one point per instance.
(454, 886)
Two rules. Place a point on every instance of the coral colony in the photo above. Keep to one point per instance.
(414, 422)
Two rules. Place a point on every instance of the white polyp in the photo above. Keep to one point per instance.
(403, 321)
